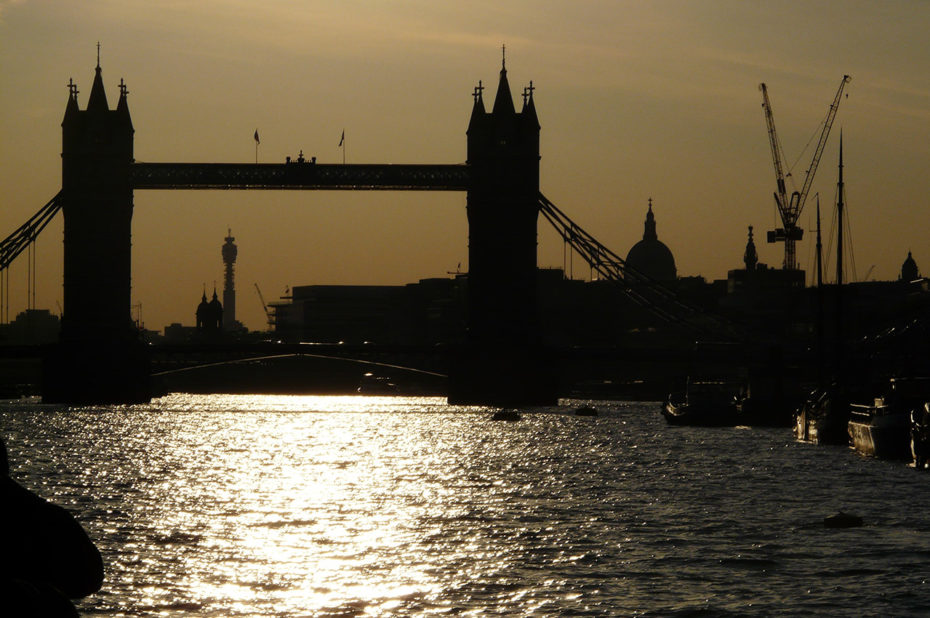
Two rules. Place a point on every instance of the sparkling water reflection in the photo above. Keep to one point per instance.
(296, 506)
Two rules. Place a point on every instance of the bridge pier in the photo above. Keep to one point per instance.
(501, 363)
(99, 358)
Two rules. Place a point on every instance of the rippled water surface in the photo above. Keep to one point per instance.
(344, 506)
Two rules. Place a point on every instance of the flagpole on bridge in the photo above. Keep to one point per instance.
(257, 142)
(342, 144)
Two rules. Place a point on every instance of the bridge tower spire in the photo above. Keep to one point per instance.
(99, 358)
(501, 363)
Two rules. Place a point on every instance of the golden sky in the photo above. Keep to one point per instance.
(636, 100)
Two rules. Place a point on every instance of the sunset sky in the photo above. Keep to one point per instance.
(636, 100)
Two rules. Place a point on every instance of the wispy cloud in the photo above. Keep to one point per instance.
(5, 4)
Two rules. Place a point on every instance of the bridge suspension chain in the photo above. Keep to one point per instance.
(638, 287)
(12, 246)
(26, 234)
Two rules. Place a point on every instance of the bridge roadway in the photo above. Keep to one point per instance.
(283, 368)
(273, 367)
(415, 357)
(366, 352)
(300, 175)
(421, 357)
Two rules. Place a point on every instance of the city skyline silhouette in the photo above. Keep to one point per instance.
(622, 123)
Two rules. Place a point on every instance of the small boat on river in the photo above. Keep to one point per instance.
(506, 414)
(706, 404)
(372, 384)
(716, 388)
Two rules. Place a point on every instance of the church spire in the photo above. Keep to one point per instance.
(909, 270)
(750, 258)
(649, 233)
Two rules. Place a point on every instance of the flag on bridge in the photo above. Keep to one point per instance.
(343, 138)
(256, 137)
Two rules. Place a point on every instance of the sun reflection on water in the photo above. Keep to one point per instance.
(314, 510)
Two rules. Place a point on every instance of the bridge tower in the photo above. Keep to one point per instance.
(501, 363)
(99, 358)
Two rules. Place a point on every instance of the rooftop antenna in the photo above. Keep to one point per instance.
(504, 57)
(98, 54)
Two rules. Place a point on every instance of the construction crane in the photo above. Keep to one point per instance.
(269, 314)
(790, 208)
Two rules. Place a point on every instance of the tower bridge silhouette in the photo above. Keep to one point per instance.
(100, 359)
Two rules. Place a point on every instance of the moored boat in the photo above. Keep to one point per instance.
(920, 436)
(879, 430)
(823, 418)
(882, 429)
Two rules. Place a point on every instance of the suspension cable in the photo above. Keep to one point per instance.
(637, 286)
(14, 244)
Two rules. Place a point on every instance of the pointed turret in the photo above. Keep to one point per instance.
(98, 96)
(71, 108)
(122, 106)
(503, 101)
(528, 112)
(215, 313)
(477, 111)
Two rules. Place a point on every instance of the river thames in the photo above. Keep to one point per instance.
(355, 506)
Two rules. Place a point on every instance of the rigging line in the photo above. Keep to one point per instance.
(831, 238)
(847, 238)
(811, 255)
(29, 275)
